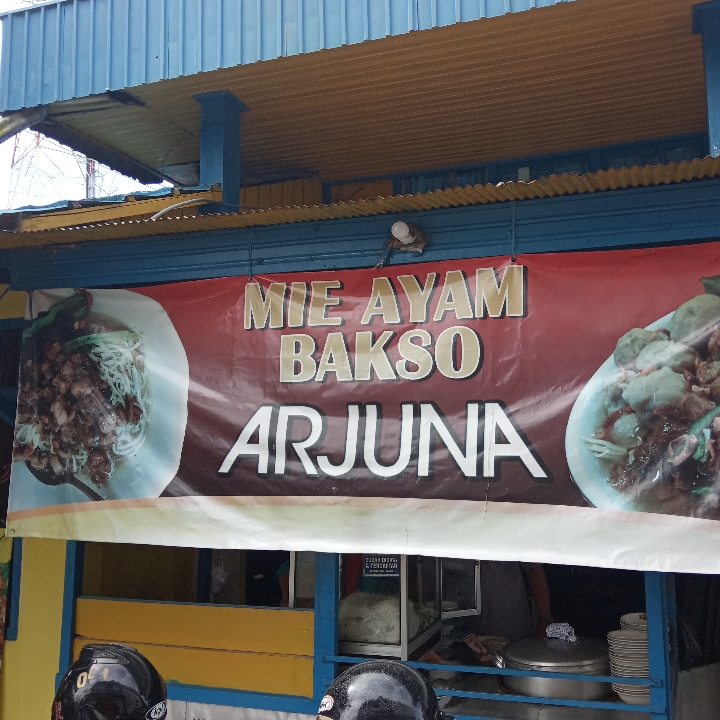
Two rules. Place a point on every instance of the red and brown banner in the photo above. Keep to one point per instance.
(563, 407)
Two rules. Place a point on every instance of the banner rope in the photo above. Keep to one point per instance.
(250, 257)
(512, 236)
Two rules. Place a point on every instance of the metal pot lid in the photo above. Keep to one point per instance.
(586, 653)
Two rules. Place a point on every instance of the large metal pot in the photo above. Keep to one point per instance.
(587, 656)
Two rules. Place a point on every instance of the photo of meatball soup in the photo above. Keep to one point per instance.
(660, 432)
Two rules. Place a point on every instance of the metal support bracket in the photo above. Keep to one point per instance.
(220, 146)
(706, 22)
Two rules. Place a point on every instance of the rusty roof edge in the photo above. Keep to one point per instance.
(544, 187)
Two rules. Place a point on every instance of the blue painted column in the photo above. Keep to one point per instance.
(706, 21)
(220, 145)
(74, 556)
(327, 587)
(660, 608)
(11, 631)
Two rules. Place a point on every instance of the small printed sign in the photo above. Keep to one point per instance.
(381, 566)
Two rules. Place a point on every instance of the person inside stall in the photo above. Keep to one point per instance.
(505, 609)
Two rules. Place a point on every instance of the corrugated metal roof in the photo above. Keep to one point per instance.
(76, 48)
(574, 76)
(105, 200)
(553, 186)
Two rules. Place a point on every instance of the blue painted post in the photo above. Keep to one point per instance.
(660, 608)
(327, 587)
(706, 21)
(74, 554)
(11, 632)
(220, 146)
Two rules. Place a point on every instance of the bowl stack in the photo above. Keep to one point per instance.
(629, 658)
(634, 621)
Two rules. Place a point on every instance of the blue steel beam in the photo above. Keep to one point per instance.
(679, 213)
(220, 146)
(706, 21)
(76, 48)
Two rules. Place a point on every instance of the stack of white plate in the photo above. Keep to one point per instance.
(634, 621)
(629, 658)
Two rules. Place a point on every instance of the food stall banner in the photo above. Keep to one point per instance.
(560, 408)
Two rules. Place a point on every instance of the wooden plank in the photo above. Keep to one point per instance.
(276, 194)
(264, 198)
(250, 196)
(284, 632)
(266, 673)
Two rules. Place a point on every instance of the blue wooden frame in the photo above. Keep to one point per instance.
(74, 555)
(11, 631)
(660, 606)
(327, 597)
(679, 213)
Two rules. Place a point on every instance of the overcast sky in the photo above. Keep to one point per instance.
(39, 171)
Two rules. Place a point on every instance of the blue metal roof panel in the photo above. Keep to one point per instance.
(75, 48)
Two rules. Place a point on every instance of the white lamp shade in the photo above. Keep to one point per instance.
(401, 231)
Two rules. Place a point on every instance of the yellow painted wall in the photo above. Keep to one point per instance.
(30, 663)
(256, 649)
(281, 674)
(12, 304)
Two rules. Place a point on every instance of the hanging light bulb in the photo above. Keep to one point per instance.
(408, 236)
(401, 232)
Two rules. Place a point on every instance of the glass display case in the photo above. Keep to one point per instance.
(460, 587)
(389, 605)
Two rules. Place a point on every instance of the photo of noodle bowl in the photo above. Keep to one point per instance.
(102, 399)
(644, 433)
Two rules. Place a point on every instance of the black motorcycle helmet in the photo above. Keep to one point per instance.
(110, 682)
(380, 690)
